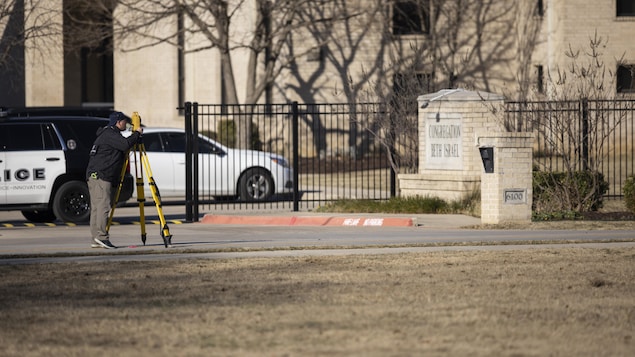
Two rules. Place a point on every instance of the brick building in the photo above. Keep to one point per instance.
(502, 46)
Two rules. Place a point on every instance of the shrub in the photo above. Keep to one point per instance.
(415, 204)
(226, 134)
(580, 191)
(629, 193)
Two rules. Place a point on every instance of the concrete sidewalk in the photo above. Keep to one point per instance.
(285, 217)
(282, 218)
(437, 221)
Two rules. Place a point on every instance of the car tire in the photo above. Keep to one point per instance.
(40, 216)
(72, 202)
(255, 185)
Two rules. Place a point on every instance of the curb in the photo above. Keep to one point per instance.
(308, 221)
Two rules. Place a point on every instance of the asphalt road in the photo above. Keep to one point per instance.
(21, 242)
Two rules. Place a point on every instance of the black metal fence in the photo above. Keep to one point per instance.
(596, 135)
(336, 151)
(353, 151)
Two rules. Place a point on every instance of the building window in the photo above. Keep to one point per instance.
(411, 17)
(626, 78)
(540, 8)
(406, 88)
(625, 7)
(223, 90)
(88, 53)
(540, 79)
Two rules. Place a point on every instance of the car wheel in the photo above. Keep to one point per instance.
(39, 216)
(72, 202)
(256, 185)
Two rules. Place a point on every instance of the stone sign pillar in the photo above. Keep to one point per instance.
(449, 163)
(506, 181)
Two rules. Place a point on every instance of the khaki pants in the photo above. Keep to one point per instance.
(100, 204)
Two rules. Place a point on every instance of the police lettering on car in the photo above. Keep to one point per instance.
(24, 174)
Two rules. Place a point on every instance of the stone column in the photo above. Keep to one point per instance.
(506, 179)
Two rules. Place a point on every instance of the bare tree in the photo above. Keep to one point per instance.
(262, 28)
(456, 43)
(575, 128)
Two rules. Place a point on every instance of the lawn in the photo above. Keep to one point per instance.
(561, 302)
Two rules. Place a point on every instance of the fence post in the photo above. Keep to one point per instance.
(296, 156)
(393, 183)
(392, 153)
(188, 162)
(194, 157)
(585, 134)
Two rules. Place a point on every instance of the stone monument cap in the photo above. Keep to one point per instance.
(457, 94)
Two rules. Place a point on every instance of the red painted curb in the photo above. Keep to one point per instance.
(308, 221)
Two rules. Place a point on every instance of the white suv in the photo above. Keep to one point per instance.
(43, 163)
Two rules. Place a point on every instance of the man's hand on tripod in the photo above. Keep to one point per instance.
(140, 131)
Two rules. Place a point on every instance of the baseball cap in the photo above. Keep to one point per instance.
(117, 116)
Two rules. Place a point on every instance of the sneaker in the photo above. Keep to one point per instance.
(104, 243)
(95, 245)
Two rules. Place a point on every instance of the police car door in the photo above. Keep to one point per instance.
(34, 158)
(3, 145)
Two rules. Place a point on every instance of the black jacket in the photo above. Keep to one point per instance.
(109, 153)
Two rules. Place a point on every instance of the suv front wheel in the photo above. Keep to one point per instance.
(72, 202)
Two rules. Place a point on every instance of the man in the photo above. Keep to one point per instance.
(104, 168)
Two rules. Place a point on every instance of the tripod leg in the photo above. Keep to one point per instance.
(165, 231)
(118, 192)
(140, 194)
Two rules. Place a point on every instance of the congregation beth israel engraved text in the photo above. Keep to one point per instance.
(444, 132)
(443, 141)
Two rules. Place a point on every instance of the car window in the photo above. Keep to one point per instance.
(4, 136)
(152, 142)
(175, 142)
(79, 134)
(29, 137)
(49, 138)
(205, 147)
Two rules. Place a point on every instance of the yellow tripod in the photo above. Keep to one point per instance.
(141, 161)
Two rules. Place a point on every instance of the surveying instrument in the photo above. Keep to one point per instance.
(141, 162)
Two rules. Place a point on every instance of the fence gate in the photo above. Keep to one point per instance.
(335, 151)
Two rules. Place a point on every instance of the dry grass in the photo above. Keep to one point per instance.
(573, 302)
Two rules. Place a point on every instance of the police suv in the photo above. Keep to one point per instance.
(43, 159)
